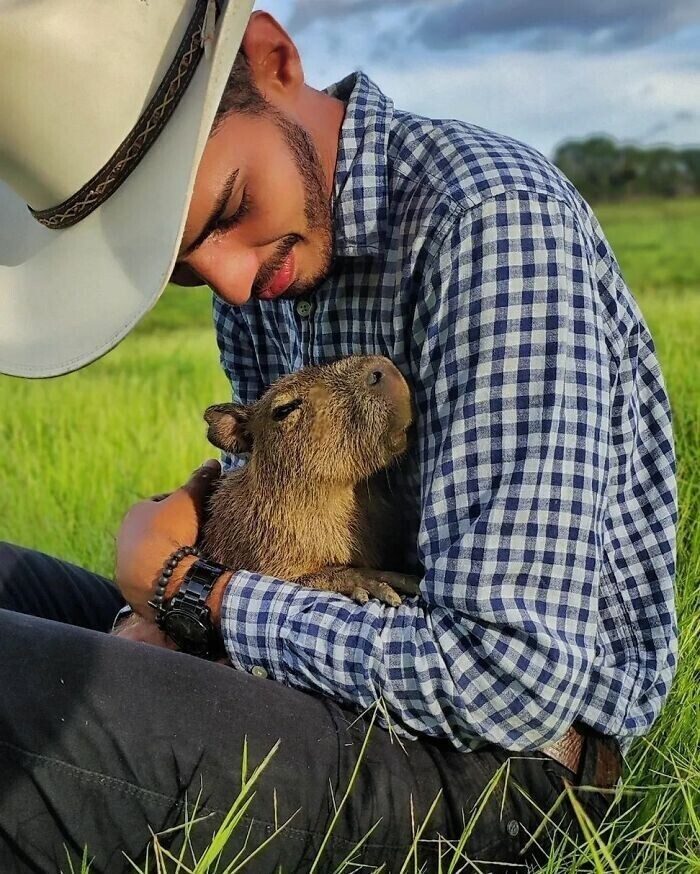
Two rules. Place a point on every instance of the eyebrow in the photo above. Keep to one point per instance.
(215, 216)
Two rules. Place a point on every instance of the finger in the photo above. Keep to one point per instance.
(198, 488)
(199, 485)
(201, 481)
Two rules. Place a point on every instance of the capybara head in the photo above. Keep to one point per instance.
(338, 423)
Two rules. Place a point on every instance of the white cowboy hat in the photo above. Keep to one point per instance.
(105, 109)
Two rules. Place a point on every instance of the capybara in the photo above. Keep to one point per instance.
(309, 506)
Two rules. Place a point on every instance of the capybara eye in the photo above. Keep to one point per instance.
(279, 413)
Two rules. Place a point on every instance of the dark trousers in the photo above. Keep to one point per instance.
(102, 738)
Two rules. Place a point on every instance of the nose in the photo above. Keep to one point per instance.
(384, 380)
(228, 269)
(383, 377)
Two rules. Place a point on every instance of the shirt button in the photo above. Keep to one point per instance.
(304, 308)
(259, 671)
(513, 828)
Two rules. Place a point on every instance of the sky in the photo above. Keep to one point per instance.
(542, 71)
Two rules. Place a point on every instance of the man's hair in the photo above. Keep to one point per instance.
(241, 94)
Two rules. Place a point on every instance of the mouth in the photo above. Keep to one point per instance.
(281, 279)
(400, 438)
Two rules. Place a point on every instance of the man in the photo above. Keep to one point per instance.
(541, 493)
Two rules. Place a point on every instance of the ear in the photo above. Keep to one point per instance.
(272, 56)
(228, 427)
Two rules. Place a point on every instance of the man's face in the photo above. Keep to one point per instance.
(259, 222)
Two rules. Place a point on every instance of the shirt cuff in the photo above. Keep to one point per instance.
(254, 609)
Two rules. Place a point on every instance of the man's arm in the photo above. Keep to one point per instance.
(509, 377)
(153, 529)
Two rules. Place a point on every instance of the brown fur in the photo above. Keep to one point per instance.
(308, 499)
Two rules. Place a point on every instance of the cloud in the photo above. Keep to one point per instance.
(551, 23)
(514, 93)
(541, 24)
(645, 93)
(669, 125)
(309, 12)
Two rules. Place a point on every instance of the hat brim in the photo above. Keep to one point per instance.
(68, 297)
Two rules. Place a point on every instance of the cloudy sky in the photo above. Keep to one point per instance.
(539, 70)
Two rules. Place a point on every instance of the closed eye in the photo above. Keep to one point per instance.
(281, 412)
(225, 224)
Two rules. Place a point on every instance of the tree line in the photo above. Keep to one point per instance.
(602, 169)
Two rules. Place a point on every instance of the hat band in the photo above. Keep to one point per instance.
(146, 130)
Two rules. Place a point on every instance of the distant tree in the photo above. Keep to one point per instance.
(602, 169)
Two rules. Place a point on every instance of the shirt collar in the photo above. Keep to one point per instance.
(361, 202)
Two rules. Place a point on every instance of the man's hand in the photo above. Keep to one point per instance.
(140, 630)
(153, 529)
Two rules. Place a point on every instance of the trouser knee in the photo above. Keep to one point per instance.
(49, 588)
(11, 555)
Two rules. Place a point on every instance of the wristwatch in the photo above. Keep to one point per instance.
(186, 618)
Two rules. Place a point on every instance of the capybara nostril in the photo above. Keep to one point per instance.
(374, 378)
(383, 378)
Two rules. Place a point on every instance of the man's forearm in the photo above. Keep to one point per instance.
(439, 673)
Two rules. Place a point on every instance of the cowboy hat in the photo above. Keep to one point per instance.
(105, 109)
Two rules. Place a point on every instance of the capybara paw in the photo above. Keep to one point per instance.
(361, 584)
(360, 595)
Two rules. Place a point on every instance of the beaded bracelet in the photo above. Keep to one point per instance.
(157, 600)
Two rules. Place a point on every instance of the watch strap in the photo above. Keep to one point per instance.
(191, 598)
(198, 582)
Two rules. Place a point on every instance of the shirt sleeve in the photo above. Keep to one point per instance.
(509, 375)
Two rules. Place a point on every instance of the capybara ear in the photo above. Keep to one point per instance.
(228, 427)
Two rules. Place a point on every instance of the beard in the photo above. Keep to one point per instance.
(317, 211)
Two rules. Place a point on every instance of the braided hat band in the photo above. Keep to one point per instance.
(151, 122)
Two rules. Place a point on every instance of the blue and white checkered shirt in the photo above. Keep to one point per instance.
(542, 483)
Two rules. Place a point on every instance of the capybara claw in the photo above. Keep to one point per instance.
(361, 596)
(388, 595)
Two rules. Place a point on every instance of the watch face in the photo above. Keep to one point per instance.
(186, 630)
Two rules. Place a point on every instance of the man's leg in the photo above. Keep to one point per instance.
(102, 738)
(40, 585)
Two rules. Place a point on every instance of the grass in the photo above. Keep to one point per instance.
(79, 450)
(656, 242)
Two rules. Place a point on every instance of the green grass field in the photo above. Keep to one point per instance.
(79, 450)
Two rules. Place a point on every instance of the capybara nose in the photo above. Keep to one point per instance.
(382, 377)
(375, 377)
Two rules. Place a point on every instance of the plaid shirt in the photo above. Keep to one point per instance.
(541, 487)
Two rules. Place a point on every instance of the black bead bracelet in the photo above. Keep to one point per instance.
(157, 600)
